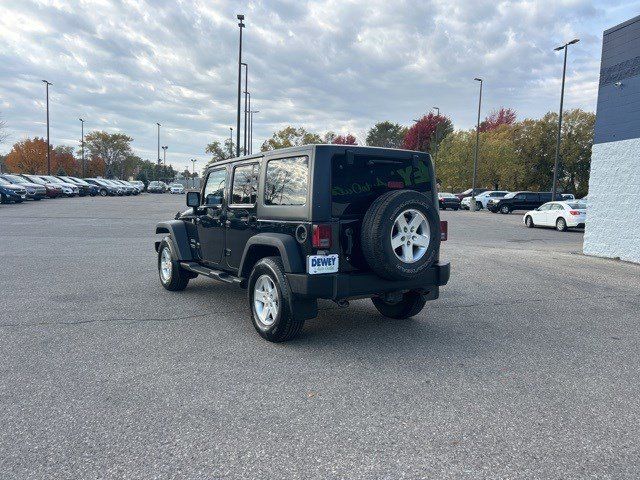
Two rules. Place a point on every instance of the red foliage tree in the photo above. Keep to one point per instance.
(423, 132)
(504, 116)
(345, 140)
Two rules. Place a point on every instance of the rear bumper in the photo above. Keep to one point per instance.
(354, 285)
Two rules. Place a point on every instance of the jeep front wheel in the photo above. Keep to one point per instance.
(411, 304)
(172, 277)
(271, 302)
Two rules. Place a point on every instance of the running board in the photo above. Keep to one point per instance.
(208, 272)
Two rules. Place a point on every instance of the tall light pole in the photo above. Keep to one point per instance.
(241, 25)
(246, 110)
(564, 72)
(472, 205)
(47, 83)
(84, 172)
(164, 155)
(251, 112)
(435, 157)
(193, 176)
(230, 142)
(159, 159)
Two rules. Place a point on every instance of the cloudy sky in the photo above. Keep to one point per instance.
(338, 65)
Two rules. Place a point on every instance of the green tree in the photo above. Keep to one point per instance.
(112, 148)
(386, 134)
(218, 152)
(290, 137)
(575, 151)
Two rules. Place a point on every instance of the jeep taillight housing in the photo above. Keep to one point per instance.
(444, 230)
(321, 236)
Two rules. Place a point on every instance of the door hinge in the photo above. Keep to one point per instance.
(227, 252)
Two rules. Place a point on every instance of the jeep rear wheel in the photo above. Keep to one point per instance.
(505, 209)
(271, 302)
(411, 304)
(400, 234)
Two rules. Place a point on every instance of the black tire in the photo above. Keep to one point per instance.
(411, 304)
(505, 209)
(103, 192)
(179, 278)
(377, 228)
(285, 325)
(455, 209)
(479, 206)
(561, 224)
(528, 221)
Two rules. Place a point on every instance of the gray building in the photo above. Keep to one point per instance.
(613, 225)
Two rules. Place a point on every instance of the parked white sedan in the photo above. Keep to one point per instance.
(176, 188)
(561, 215)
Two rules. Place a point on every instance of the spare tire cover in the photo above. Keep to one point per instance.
(400, 234)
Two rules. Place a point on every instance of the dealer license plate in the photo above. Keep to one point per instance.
(322, 264)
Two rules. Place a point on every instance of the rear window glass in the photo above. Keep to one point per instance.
(245, 185)
(286, 181)
(578, 205)
(356, 183)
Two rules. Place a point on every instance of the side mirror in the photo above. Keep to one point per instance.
(213, 200)
(193, 199)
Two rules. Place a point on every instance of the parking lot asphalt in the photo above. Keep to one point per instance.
(525, 367)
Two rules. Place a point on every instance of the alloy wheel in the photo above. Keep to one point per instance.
(410, 236)
(265, 300)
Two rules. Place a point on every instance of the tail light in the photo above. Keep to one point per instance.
(321, 237)
(574, 212)
(444, 230)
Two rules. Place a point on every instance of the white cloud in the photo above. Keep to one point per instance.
(326, 64)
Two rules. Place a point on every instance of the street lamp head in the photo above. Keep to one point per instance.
(158, 124)
(557, 49)
(240, 17)
(575, 40)
(478, 79)
(47, 82)
(81, 120)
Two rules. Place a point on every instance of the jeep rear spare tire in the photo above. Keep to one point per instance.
(400, 234)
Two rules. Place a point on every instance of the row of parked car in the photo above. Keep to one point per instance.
(161, 187)
(565, 213)
(16, 188)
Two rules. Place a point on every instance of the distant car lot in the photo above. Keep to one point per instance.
(526, 365)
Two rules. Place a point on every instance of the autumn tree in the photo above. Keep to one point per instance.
(63, 159)
(112, 148)
(427, 133)
(347, 139)
(386, 134)
(28, 156)
(290, 137)
(503, 116)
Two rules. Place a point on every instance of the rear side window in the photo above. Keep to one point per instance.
(245, 185)
(286, 181)
(533, 197)
(215, 184)
(359, 180)
(545, 197)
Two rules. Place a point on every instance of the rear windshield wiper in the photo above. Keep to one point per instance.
(370, 163)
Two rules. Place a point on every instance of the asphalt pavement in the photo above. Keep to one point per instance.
(526, 367)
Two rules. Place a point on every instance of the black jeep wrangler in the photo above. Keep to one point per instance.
(317, 221)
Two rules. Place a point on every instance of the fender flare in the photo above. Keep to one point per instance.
(287, 247)
(178, 237)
